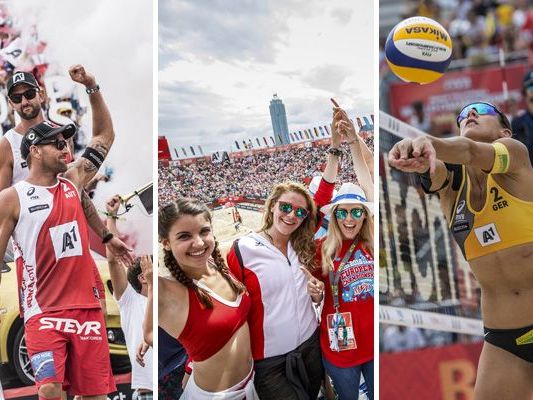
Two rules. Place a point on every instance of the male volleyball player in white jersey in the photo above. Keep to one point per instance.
(64, 325)
(26, 97)
(485, 183)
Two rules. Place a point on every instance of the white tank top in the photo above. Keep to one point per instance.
(20, 167)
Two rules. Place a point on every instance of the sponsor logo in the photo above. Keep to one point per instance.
(487, 235)
(461, 226)
(43, 365)
(24, 164)
(66, 240)
(461, 206)
(18, 77)
(439, 34)
(69, 325)
(28, 285)
(526, 338)
(31, 136)
(38, 207)
(30, 191)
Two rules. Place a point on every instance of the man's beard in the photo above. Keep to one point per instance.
(35, 110)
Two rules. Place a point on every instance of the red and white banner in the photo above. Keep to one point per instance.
(438, 373)
(163, 151)
(455, 89)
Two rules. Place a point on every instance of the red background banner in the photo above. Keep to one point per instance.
(438, 373)
(456, 89)
(163, 151)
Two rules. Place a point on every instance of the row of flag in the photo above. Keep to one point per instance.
(364, 123)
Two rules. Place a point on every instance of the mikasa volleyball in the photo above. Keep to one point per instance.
(419, 50)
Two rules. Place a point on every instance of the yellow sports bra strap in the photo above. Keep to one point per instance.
(501, 159)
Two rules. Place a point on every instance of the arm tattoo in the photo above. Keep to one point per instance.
(88, 207)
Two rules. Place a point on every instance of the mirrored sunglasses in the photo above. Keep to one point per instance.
(287, 208)
(356, 213)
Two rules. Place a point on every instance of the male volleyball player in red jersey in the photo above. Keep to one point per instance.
(485, 183)
(64, 325)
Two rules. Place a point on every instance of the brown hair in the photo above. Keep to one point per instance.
(302, 238)
(167, 216)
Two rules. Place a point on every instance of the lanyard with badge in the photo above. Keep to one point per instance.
(340, 327)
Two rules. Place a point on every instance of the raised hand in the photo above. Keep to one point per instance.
(315, 287)
(78, 74)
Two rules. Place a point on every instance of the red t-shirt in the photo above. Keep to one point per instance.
(356, 295)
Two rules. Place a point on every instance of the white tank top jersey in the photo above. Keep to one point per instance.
(55, 269)
(20, 167)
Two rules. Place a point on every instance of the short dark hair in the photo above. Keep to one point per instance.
(133, 275)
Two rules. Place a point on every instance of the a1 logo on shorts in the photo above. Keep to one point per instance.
(487, 235)
(66, 240)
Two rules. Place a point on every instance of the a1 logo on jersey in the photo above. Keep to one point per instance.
(66, 240)
(69, 193)
(487, 235)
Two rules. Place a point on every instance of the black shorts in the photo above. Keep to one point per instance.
(517, 341)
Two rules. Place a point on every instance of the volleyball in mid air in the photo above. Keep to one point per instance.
(419, 50)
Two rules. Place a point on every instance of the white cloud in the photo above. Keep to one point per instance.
(236, 59)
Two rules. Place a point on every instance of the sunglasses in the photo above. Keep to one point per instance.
(287, 208)
(342, 213)
(482, 109)
(28, 94)
(60, 144)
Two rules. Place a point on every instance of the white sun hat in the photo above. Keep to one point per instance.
(349, 193)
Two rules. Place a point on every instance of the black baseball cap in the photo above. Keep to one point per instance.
(42, 131)
(528, 80)
(21, 77)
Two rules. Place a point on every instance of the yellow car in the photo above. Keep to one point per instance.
(12, 345)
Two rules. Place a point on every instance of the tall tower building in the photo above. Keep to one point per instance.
(279, 121)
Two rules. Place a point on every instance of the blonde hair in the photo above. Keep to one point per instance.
(302, 238)
(333, 242)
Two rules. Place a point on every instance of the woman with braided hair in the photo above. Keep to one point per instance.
(204, 307)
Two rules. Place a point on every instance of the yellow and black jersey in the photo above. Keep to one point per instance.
(503, 222)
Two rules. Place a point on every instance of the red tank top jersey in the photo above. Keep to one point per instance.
(55, 269)
(356, 295)
(208, 330)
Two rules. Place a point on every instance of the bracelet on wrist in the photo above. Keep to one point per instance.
(110, 215)
(107, 237)
(334, 151)
(92, 90)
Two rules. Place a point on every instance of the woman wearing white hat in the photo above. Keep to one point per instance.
(346, 283)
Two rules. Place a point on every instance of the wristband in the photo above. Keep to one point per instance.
(107, 237)
(92, 90)
(335, 151)
(109, 215)
(501, 159)
(94, 156)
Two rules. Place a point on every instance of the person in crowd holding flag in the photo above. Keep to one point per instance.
(283, 325)
(204, 307)
(130, 290)
(484, 182)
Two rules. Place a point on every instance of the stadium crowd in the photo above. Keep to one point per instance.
(251, 176)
